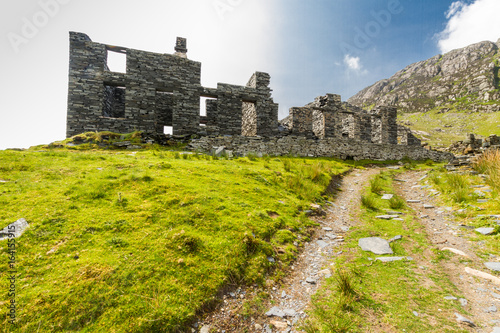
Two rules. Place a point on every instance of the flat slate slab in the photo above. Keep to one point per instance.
(322, 244)
(376, 245)
(275, 311)
(387, 196)
(387, 217)
(17, 229)
(464, 320)
(392, 259)
(494, 266)
(485, 231)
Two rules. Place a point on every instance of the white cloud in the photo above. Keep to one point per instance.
(354, 64)
(454, 8)
(470, 23)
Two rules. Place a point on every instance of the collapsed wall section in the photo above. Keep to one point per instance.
(331, 147)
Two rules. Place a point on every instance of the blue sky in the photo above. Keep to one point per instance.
(309, 47)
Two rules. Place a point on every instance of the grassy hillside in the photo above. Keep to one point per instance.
(442, 129)
(139, 242)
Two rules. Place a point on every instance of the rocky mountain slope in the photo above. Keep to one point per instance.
(445, 97)
(465, 79)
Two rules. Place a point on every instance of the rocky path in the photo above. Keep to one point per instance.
(285, 305)
(288, 301)
(481, 295)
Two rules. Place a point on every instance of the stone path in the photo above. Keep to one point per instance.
(288, 301)
(481, 296)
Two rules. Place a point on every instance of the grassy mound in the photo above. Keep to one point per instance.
(140, 242)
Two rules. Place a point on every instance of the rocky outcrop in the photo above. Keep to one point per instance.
(462, 79)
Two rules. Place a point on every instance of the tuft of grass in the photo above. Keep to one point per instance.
(396, 202)
(489, 164)
(376, 185)
(369, 202)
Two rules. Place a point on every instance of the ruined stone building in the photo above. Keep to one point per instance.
(164, 90)
(159, 90)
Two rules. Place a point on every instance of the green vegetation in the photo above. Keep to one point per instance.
(366, 294)
(463, 191)
(141, 242)
(447, 124)
(489, 164)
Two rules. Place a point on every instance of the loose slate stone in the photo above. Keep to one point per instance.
(290, 312)
(494, 266)
(461, 253)
(482, 200)
(485, 231)
(393, 239)
(310, 280)
(450, 298)
(491, 309)
(496, 330)
(322, 244)
(415, 313)
(390, 259)
(463, 301)
(327, 229)
(495, 295)
(391, 212)
(16, 229)
(387, 196)
(275, 311)
(387, 217)
(376, 245)
(205, 329)
(428, 206)
(464, 320)
(413, 201)
(331, 235)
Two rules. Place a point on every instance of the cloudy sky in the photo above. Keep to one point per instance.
(310, 48)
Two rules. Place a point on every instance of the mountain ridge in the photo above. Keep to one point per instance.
(443, 82)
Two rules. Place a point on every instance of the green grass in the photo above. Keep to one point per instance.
(458, 190)
(370, 295)
(142, 242)
(489, 164)
(454, 125)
